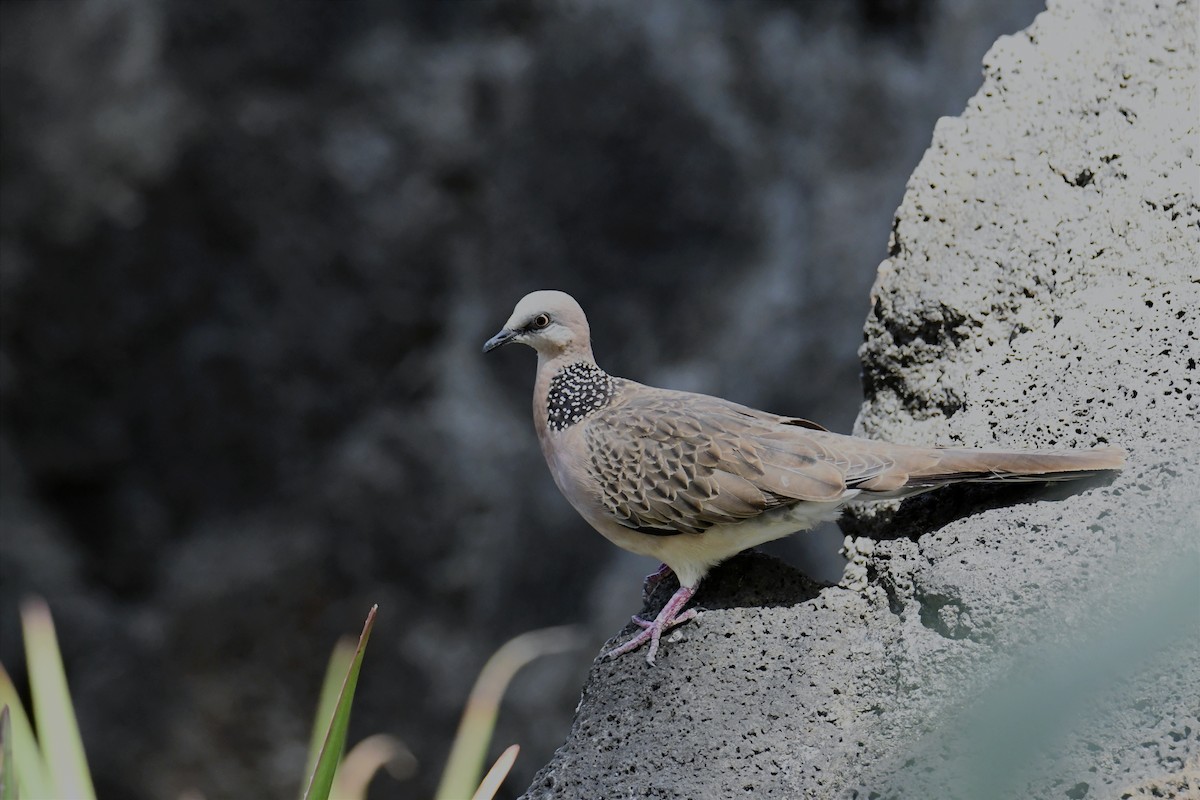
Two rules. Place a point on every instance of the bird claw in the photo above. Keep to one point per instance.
(652, 631)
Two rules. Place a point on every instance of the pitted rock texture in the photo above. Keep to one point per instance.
(1041, 290)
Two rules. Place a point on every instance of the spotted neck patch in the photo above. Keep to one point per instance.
(576, 391)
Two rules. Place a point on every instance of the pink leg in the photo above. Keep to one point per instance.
(651, 632)
(653, 580)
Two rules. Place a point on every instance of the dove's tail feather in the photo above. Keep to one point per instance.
(987, 466)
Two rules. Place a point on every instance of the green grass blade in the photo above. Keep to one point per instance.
(321, 780)
(32, 780)
(339, 663)
(468, 754)
(62, 746)
(8, 781)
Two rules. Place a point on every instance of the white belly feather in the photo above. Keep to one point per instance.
(691, 555)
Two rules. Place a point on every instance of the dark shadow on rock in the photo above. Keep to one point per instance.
(748, 580)
(934, 510)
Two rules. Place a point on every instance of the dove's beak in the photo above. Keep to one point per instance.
(503, 337)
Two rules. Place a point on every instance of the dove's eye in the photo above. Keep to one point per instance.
(540, 321)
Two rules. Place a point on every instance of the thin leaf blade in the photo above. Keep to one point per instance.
(8, 781)
(468, 753)
(364, 760)
(30, 769)
(321, 780)
(496, 775)
(335, 673)
(52, 709)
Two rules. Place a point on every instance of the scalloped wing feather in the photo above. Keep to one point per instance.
(684, 462)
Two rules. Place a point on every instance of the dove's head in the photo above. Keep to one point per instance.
(552, 323)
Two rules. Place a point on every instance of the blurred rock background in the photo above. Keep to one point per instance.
(249, 253)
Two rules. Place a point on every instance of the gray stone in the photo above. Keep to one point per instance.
(1041, 290)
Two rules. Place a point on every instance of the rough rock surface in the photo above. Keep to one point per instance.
(1041, 290)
